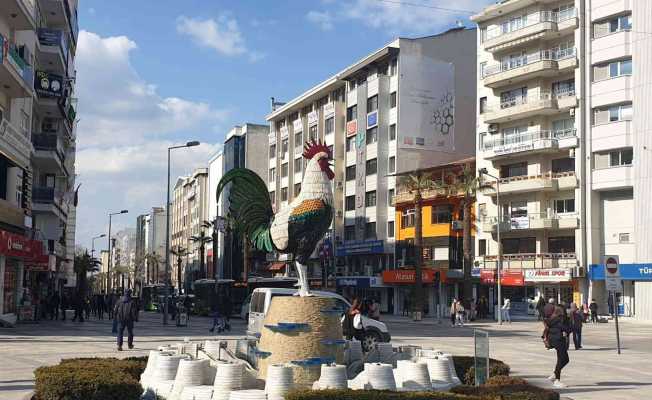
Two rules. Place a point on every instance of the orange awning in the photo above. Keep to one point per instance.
(277, 266)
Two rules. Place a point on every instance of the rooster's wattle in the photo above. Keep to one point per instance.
(295, 229)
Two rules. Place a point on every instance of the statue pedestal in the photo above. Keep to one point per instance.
(302, 331)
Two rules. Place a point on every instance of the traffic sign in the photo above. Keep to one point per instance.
(612, 273)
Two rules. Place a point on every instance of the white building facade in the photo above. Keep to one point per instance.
(563, 92)
(150, 244)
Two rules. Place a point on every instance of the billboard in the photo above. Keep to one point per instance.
(426, 104)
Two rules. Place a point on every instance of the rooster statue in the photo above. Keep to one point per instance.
(295, 229)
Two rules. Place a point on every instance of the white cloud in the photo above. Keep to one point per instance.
(323, 19)
(222, 35)
(124, 131)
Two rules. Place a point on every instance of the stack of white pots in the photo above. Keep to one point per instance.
(380, 376)
(166, 367)
(385, 353)
(146, 376)
(355, 350)
(451, 365)
(227, 378)
(412, 376)
(212, 347)
(332, 376)
(163, 389)
(248, 395)
(280, 380)
(190, 373)
(439, 370)
(203, 392)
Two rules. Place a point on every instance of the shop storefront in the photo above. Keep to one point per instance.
(365, 257)
(635, 297)
(366, 288)
(401, 282)
(553, 283)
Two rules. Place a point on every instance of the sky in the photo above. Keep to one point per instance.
(154, 73)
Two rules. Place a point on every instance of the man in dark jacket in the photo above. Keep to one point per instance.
(593, 307)
(126, 312)
(55, 301)
(549, 308)
(99, 299)
(541, 304)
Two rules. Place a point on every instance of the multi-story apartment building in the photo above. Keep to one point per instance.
(384, 115)
(189, 211)
(562, 97)
(216, 252)
(150, 244)
(37, 125)
(244, 147)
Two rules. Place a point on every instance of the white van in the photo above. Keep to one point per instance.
(261, 298)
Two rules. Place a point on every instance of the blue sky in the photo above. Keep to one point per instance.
(151, 73)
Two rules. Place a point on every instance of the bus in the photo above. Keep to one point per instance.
(151, 295)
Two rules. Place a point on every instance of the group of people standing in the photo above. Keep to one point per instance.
(461, 311)
(55, 305)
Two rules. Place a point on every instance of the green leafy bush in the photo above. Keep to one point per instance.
(507, 388)
(91, 379)
(465, 368)
(373, 395)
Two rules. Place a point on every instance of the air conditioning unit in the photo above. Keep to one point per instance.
(493, 128)
(579, 272)
(458, 225)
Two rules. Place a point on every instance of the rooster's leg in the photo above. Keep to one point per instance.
(304, 288)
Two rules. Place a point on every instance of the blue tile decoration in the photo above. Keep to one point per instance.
(262, 354)
(311, 362)
(333, 342)
(288, 327)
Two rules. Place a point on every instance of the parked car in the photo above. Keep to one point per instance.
(261, 298)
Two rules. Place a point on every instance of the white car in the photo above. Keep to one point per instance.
(261, 298)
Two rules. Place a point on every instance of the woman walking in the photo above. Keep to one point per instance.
(576, 320)
(505, 310)
(453, 312)
(555, 335)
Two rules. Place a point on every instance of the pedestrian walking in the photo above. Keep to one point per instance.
(54, 306)
(126, 313)
(218, 315)
(65, 304)
(593, 307)
(406, 306)
(549, 308)
(555, 336)
(474, 310)
(459, 313)
(576, 320)
(78, 304)
(352, 322)
(110, 304)
(507, 306)
(453, 312)
(610, 304)
(541, 304)
(100, 306)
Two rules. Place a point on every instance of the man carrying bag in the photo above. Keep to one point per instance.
(125, 313)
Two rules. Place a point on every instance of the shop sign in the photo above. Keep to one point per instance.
(409, 276)
(360, 247)
(512, 278)
(488, 276)
(520, 223)
(372, 119)
(351, 128)
(548, 275)
(48, 85)
(633, 272)
(475, 272)
(354, 281)
(14, 245)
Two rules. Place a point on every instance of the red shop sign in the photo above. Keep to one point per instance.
(409, 276)
(351, 128)
(488, 276)
(512, 278)
(14, 245)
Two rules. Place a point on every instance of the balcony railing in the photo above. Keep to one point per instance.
(530, 20)
(525, 138)
(545, 220)
(530, 260)
(20, 65)
(54, 38)
(44, 194)
(517, 62)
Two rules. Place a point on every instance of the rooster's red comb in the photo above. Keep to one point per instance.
(311, 148)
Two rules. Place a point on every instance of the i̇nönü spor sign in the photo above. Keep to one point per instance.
(548, 275)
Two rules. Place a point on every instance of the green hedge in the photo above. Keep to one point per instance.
(373, 395)
(507, 388)
(91, 379)
(465, 368)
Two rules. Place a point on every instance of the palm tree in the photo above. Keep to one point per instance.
(416, 183)
(84, 264)
(154, 260)
(202, 239)
(466, 184)
(179, 252)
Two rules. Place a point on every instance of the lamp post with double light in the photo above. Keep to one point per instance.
(482, 172)
(93, 243)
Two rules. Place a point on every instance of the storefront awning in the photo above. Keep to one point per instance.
(276, 267)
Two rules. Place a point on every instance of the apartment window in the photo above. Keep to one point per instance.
(442, 214)
(562, 244)
(483, 67)
(564, 206)
(621, 157)
(563, 127)
(511, 170)
(393, 67)
(392, 164)
(284, 147)
(390, 229)
(284, 170)
(483, 34)
(272, 151)
(284, 194)
(623, 238)
(514, 134)
(560, 165)
(272, 174)
(352, 85)
(297, 165)
(370, 199)
(372, 103)
(330, 125)
(620, 68)
(482, 247)
(510, 98)
(349, 232)
(272, 196)
(350, 173)
(370, 230)
(312, 132)
(621, 23)
(483, 105)
(297, 189)
(392, 100)
(298, 143)
(352, 113)
(390, 195)
(392, 132)
(407, 218)
(619, 112)
(563, 88)
(350, 143)
(372, 135)
(349, 203)
(515, 209)
(522, 245)
(371, 167)
(482, 209)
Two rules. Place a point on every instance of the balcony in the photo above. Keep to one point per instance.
(529, 261)
(15, 144)
(49, 152)
(501, 8)
(531, 221)
(49, 200)
(53, 49)
(16, 75)
(540, 25)
(11, 214)
(532, 183)
(22, 12)
(620, 177)
(428, 194)
(545, 63)
(612, 46)
(528, 143)
(521, 107)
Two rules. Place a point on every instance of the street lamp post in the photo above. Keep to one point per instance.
(93, 244)
(108, 269)
(499, 267)
(167, 232)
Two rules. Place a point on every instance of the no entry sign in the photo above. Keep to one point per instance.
(612, 273)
